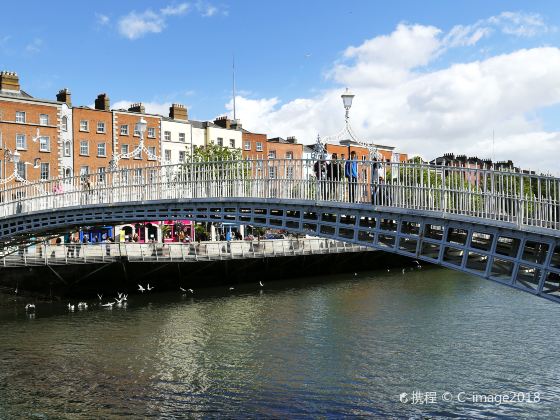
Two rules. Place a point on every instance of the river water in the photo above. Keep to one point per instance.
(346, 345)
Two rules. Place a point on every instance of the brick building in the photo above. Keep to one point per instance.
(30, 128)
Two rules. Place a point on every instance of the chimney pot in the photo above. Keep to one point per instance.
(9, 80)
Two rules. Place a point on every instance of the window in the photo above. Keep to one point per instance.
(220, 141)
(124, 130)
(101, 174)
(67, 148)
(151, 132)
(168, 155)
(84, 148)
(84, 170)
(20, 116)
(232, 143)
(181, 157)
(272, 172)
(259, 146)
(21, 142)
(152, 153)
(102, 149)
(137, 154)
(84, 125)
(43, 119)
(100, 127)
(64, 123)
(182, 137)
(44, 171)
(124, 150)
(167, 135)
(289, 155)
(44, 144)
(290, 172)
(137, 130)
(21, 169)
(247, 145)
(0, 168)
(272, 154)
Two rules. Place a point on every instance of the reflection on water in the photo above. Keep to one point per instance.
(341, 345)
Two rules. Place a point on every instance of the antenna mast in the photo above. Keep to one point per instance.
(233, 75)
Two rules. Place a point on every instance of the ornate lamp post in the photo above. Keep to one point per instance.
(141, 126)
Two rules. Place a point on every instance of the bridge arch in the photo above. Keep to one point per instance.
(497, 225)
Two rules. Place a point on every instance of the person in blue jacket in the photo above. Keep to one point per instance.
(351, 173)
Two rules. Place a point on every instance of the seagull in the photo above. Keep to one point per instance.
(125, 298)
(149, 288)
(261, 284)
(191, 291)
(355, 274)
(16, 291)
(119, 301)
(35, 138)
(108, 305)
(30, 307)
(82, 305)
(388, 269)
(181, 289)
(140, 288)
(100, 296)
(71, 307)
(403, 270)
(120, 295)
(231, 288)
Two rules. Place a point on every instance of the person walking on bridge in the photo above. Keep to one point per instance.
(351, 173)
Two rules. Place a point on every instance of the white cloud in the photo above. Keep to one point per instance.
(400, 102)
(101, 19)
(135, 25)
(509, 23)
(34, 46)
(208, 10)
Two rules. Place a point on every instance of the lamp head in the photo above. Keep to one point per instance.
(142, 124)
(347, 98)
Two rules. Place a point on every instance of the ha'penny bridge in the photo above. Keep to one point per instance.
(499, 225)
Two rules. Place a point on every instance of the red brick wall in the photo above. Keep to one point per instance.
(93, 161)
(9, 128)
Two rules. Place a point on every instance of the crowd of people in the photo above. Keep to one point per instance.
(339, 179)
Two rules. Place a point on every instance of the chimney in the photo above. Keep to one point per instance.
(236, 125)
(102, 102)
(178, 112)
(65, 96)
(292, 139)
(137, 107)
(9, 80)
(223, 122)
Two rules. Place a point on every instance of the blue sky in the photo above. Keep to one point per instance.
(292, 57)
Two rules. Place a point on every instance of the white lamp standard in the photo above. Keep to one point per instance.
(141, 126)
(347, 99)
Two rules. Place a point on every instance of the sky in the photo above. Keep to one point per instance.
(466, 77)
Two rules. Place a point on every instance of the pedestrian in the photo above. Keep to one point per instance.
(333, 174)
(375, 167)
(351, 173)
(78, 245)
(320, 169)
(70, 247)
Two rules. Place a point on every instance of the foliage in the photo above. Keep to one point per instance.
(200, 233)
(213, 153)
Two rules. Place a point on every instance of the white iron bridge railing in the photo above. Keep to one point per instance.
(107, 252)
(524, 199)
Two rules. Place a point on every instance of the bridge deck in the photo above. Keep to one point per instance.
(173, 252)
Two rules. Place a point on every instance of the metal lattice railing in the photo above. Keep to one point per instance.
(519, 198)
